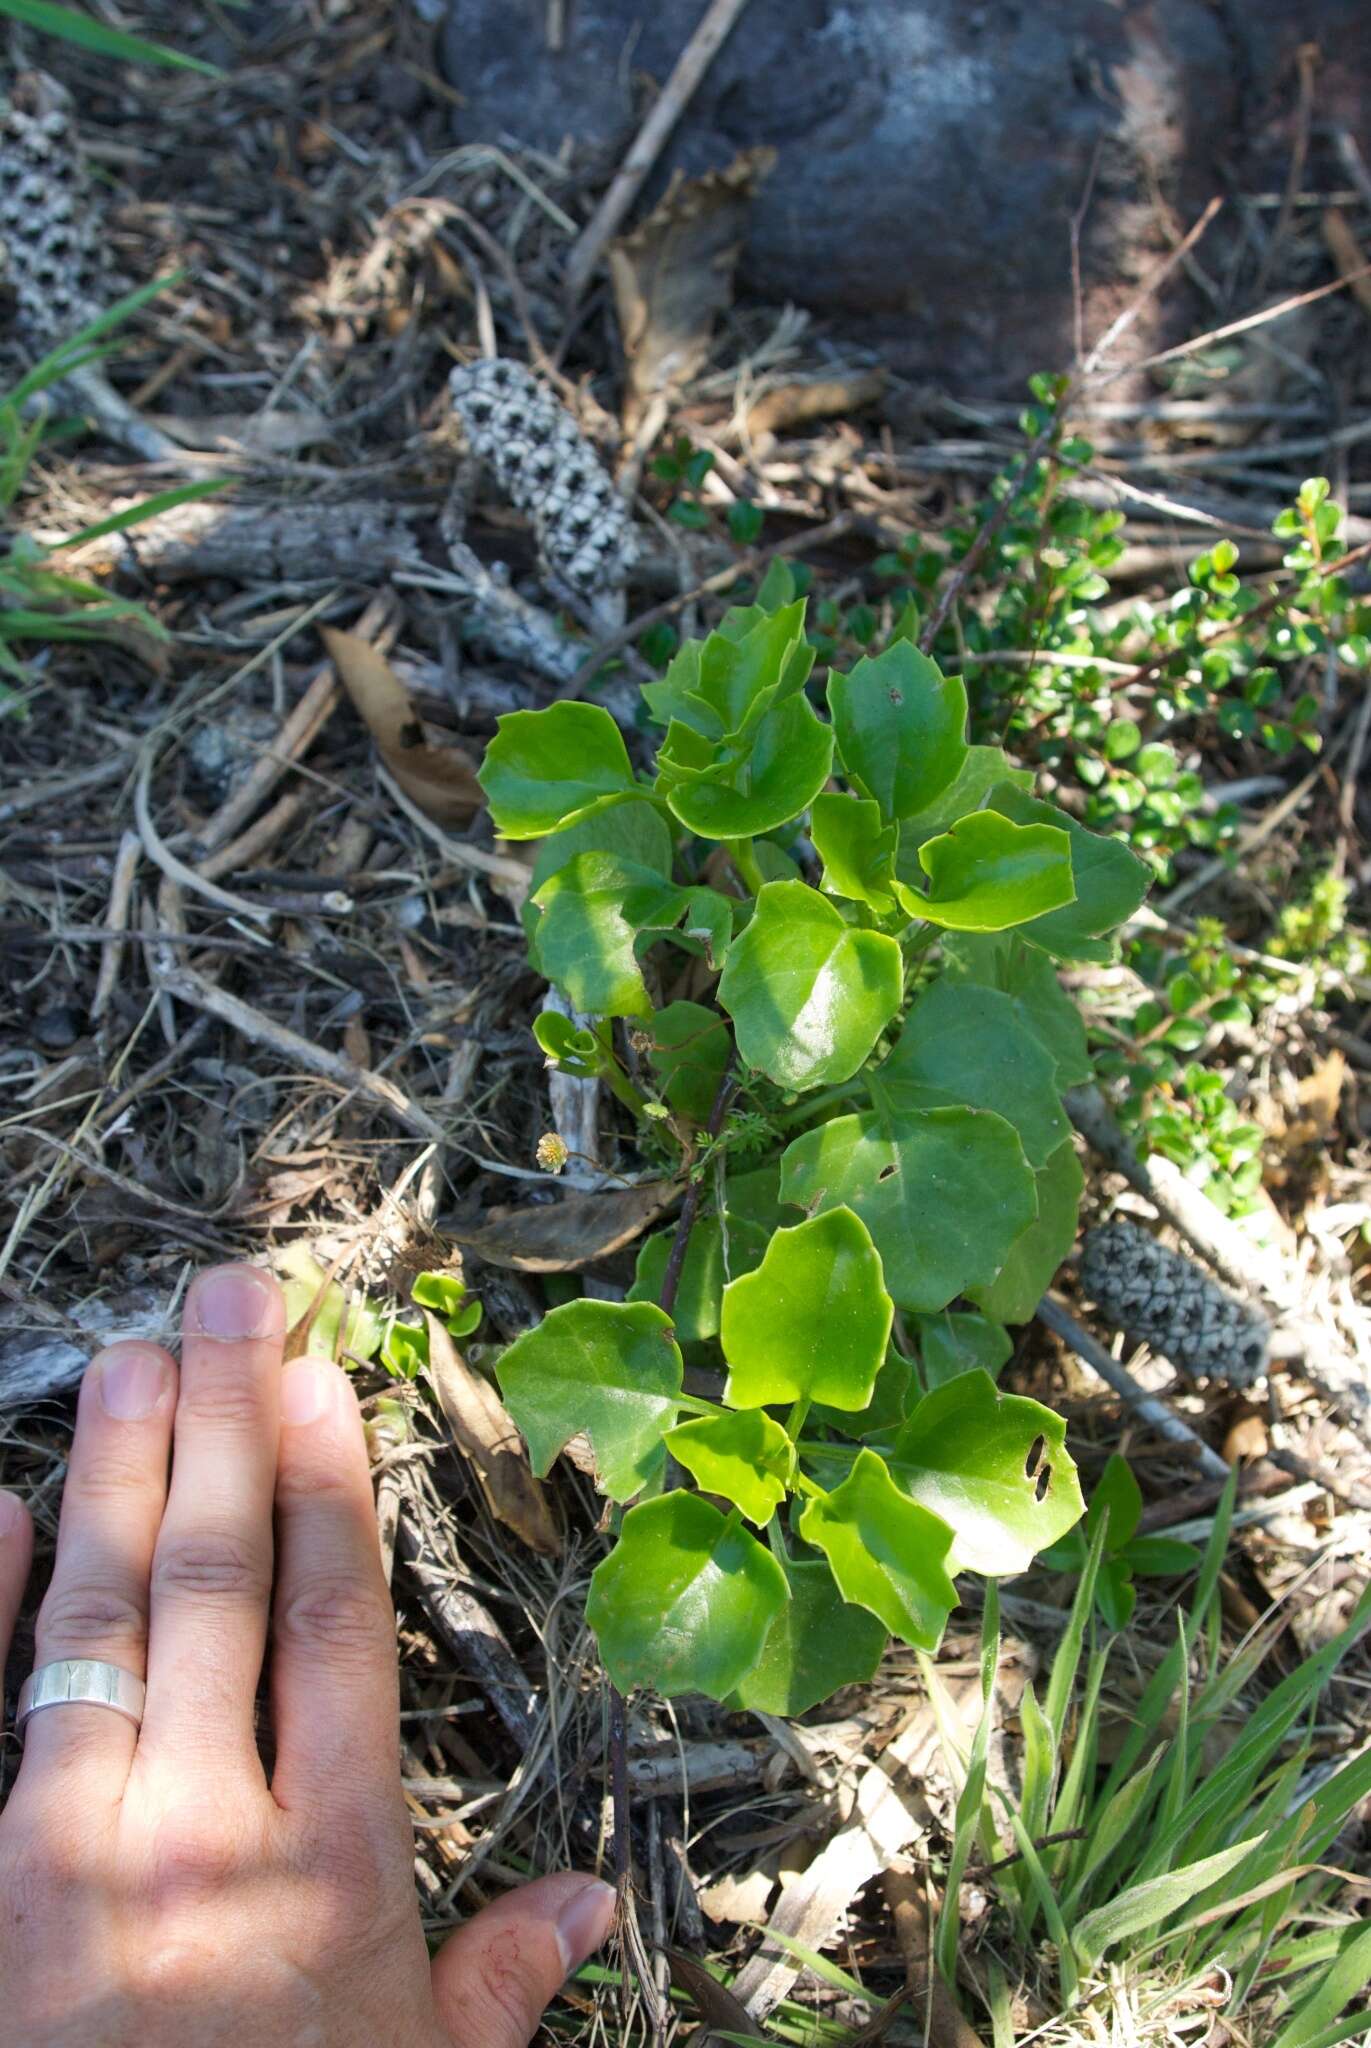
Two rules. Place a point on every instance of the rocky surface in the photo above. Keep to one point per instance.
(931, 153)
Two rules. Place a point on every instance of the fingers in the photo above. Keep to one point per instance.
(334, 1678)
(211, 1570)
(97, 1602)
(16, 1555)
(493, 1977)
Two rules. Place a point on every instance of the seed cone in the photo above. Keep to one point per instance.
(549, 470)
(1164, 1299)
(55, 258)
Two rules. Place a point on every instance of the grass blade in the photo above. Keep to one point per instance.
(1142, 1905)
(1314, 2022)
(971, 1798)
(53, 20)
(147, 508)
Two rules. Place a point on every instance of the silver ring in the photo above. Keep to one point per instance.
(81, 1681)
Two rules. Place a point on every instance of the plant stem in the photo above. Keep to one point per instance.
(816, 1104)
(795, 1421)
(745, 861)
(614, 1077)
(690, 1207)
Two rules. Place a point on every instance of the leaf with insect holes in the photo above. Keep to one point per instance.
(961, 1045)
(818, 1642)
(762, 783)
(812, 1322)
(689, 1054)
(985, 874)
(857, 850)
(609, 1368)
(809, 994)
(587, 939)
(695, 1311)
(1033, 1258)
(958, 1341)
(887, 1553)
(996, 1469)
(1110, 881)
(545, 769)
(748, 1458)
(684, 1600)
(901, 728)
(945, 1193)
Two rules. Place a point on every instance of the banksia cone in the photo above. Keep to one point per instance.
(550, 471)
(55, 259)
(1164, 1299)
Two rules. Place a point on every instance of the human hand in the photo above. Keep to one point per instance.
(154, 1888)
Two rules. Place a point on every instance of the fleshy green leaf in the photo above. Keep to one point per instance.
(857, 850)
(634, 829)
(586, 936)
(888, 1554)
(689, 1053)
(609, 1368)
(1035, 1255)
(817, 1642)
(983, 770)
(1117, 1491)
(752, 1215)
(1110, 881)
(901, 728)
(956, 1342)
(1008, 962)
(776, 777)
(684, 1600)
(1161, 1557)
(723, 685)
(446, 1295)
(545, 768)
(994, 1467)
(983, 877)
(574, 1051)
(945, 1193)
(748, 1458)
(696, 1311)
(808, 993)
(812, 1322)
(340, 1323)
(965, 1045)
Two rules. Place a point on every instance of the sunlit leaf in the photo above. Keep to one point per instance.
(857, 850)
(812, 1321)
(777, 775)
(1110, 880)
(965, 1045)
(985, 874)
(610, 1369)
(901, 728)
(887, 1553)
(543, 769)
(747, 1458)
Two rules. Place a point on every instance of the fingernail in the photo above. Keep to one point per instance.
(307, 1386)
(11, 1514)
(132, 1382)
(584, 1921)
(232, 1302)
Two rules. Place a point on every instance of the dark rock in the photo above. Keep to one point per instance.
(931, 152)
(58, 1029)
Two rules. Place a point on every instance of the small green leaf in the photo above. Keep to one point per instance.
(986, 874)
(684, 1600)
(340, 1324)
(1110, 881)
(901, 728)
(945, 1194)
(956, 1342)
(765, 784)
(808, 993)
(857, 851)
(544, 769)
(567, 1047)
(405, 1350)
(634, 829)
(1034, 1257)
(1161, 1557)
(609, 1368)
(817, 1642)
(701, 1288)
(446, 1295)
(1114, 1593)
(586, 938)
(1118, 1492)
(961, 1045)
(888, 1554)
(748, 1458)
(995, 1468)
(812, 1322)
(689, 1055)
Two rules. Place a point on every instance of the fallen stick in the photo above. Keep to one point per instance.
(473, 1635)
(1256, 1270)
(691, 66)
(290, 1048)
(1152, 1411)
(116, 921)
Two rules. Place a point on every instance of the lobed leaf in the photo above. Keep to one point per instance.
(610, 1369)
(857, 850)
(587, 940)
(961, 1045)
(684, 1600)
(748, 1458)
(985, 874)
(887, 1552)
(1110, 880)
(812, 1322)
(754, 787)
(900, 726)
(818, 1642)
(959, 1341)
(545, 769)
(1025, 974)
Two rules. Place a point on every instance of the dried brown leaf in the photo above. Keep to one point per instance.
(484, 1430)
(564, 1236)
(713, 2000)
(441, 780)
